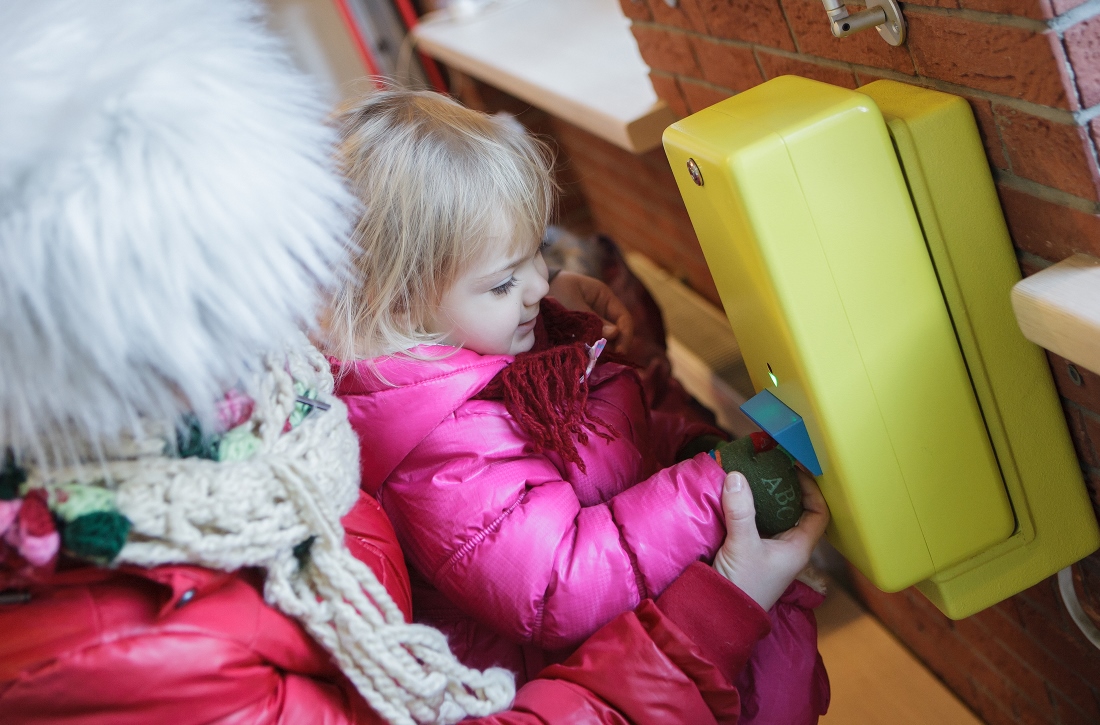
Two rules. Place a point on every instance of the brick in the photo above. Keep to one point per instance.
(699, 95)
(1027, 713)
(1044, 598)
(686, 14)
(753, 21)
(1062, 640)
(629, 184)
(629, 231)
(1004, 661)
(1054, 154)
(593, 155)
(626, 191)
(870, 75)
(1087, 394)
(1061, 678)
(810, 26)
(997, 671)
(987, 128)
(731, 66)
(636, 9)
(1049, 230)
(1069, 713)
(1086, 576)
(1083, 50)
(1002, 623)
(1092, 429)
(660, 219)
(779, 65)
(1038, 9)
(668, 90)
(935, 3)
(665, 50)
(990, 709)
(1002, 620)
(1000, 59)
(1092, 479)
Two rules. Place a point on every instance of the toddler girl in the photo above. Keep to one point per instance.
(535, 494)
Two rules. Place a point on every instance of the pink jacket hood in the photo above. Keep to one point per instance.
(381, 392)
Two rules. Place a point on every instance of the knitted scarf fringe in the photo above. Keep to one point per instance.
(546, 390)
(255, 512)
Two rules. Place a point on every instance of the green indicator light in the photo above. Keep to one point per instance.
(771, 375)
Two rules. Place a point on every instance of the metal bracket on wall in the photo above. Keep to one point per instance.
(882, 15)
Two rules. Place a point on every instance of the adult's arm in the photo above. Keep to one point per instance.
(370, 538)
(169, 644)
(670, 660)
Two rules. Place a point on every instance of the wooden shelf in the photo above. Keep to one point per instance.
(1059, 309)
(574, 59)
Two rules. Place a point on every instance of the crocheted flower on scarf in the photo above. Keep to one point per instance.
(83, 520)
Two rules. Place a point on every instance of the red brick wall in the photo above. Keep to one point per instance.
(1031, 71)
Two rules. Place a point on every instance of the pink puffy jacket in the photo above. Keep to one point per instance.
(541, 552)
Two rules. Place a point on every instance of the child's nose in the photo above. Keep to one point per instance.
(538, 287)
(536, 290)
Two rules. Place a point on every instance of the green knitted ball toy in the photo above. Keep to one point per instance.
(772, 477)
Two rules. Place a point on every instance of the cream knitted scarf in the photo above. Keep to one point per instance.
(287, 498)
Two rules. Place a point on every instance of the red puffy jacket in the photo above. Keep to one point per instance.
(184, 644)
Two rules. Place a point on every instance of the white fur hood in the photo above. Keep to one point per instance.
(168, 208)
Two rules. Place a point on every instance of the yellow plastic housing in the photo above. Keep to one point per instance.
(945, 165)
(809, 231)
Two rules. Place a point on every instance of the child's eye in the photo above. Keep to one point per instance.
(501, 290)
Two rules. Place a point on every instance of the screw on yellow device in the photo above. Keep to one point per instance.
(859, 250)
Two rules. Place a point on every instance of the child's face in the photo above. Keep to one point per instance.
(491, 309)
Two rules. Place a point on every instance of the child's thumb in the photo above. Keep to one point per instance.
(737, 503)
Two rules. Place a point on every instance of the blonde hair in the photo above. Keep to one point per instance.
(435, 180)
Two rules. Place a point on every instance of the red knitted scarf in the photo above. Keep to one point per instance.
(546, 391)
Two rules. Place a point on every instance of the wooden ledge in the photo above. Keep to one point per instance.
(574, 59)
(1059, 309)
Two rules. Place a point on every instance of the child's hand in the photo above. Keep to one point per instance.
(763, 568)
(772, 478)
(580, 292)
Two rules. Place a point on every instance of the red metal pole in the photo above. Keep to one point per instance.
(408, 14)
(357, 38)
